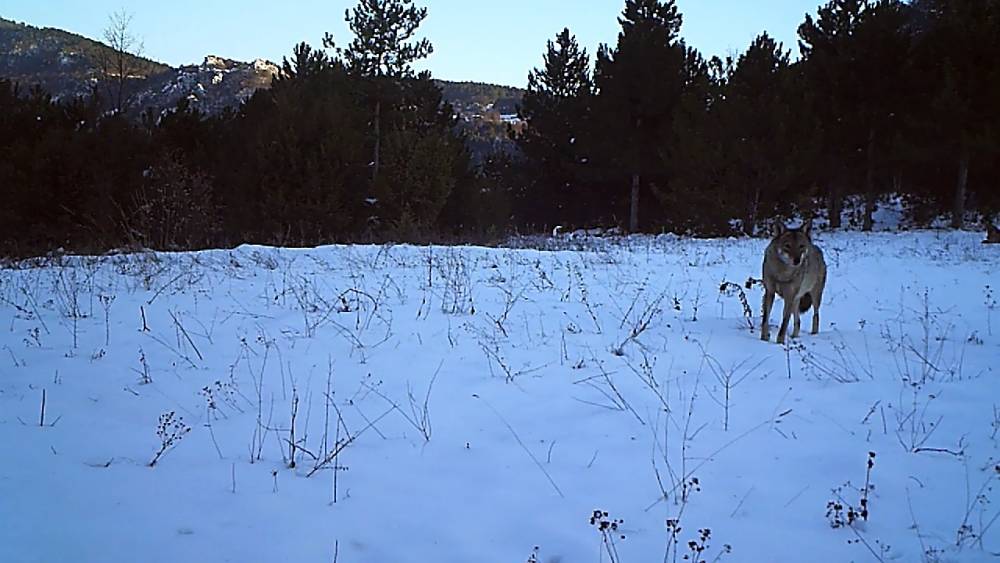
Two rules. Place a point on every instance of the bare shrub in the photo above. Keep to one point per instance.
(173, 209)
(170, 430)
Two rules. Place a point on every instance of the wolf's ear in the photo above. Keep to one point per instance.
(807, 227)
(778, 229)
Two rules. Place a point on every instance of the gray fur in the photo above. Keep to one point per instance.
(794, 269)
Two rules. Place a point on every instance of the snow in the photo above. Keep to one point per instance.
(891, 214)
(262, 66)
(584, 374)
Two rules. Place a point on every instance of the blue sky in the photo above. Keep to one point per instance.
(496, 41)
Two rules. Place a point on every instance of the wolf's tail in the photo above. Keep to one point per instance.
(805, 303)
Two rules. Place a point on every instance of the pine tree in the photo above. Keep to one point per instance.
(301, 145)
(305, 62)
(757, 122)
(856, 61)
(556, 109)
(382, 51)
(423, 162)
(566, 74)
(639, 85)
(956, 43)
(885, 76)
(697, 200)
(830, 55)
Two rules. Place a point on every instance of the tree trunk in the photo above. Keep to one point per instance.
(751, 217)
(958, 214)
(121, 82)
(378, 139)
(870, 184)
(633, 219)
(835, 205)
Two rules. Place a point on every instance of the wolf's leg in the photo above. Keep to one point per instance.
(817, 300)
(798, 322)
(765, 328)
(786, 314)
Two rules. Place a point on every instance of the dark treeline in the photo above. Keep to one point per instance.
(350, 144)
(347, 144)
(886, 97)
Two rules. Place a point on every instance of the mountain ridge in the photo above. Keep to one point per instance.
(65, 64)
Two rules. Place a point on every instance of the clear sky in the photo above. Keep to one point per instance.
(495, 41)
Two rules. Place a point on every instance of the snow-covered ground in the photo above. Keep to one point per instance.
(471, 404)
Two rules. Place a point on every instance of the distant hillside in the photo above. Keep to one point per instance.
(64, 64)
(488, 114)
(469, 97)
(68, 65)
(211, 86)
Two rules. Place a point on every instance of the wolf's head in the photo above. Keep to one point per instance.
(793, 245)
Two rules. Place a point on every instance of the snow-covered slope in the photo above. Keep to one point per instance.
(67, 65)
(211, 86)
(472, 404)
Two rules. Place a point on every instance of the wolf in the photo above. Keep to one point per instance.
(992, 234)
(794, 269)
